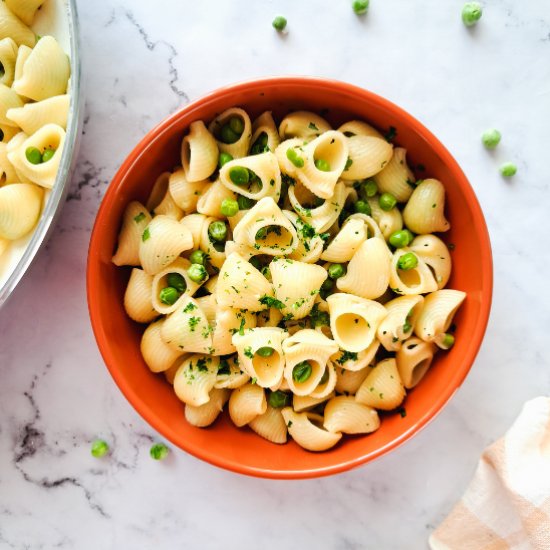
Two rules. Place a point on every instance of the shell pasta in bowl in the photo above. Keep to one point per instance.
(291, 290)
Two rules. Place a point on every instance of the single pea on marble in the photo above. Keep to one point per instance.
(491, 138)
(471, 13)
(508, 169)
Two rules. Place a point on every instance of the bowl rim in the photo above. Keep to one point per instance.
(437, 404)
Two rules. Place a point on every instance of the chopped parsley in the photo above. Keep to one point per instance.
(318, 318)
(189, 308)
(146, 235)
(346, 356)
(349, 162)
(193, 322)
(223, 368)
(270, 301)
(248, 352)
(390, 134)
(201, 365)
(139, 218)
(312, 126)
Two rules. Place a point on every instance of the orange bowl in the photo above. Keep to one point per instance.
(241, 450)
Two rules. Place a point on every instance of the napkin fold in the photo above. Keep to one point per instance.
(507, 504)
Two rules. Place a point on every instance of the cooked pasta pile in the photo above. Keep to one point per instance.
(34, 74)
(292, 272)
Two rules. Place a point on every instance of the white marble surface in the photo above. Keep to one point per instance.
(143, 60)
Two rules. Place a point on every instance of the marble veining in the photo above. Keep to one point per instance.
(141, 62)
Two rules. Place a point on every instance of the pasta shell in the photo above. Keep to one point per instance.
(185, 193)
(344, 414)
(195, 223)
(195, 379)
(32, 116)
(382, 388)
(12, 27)
(24, 9)
(137, 298)
(424, 213)
(348, 381)
(436, 255)
(388, 221)
(242, 145)
(156, 353)
(301, 403)
(413, 360)
(8, 55)
(199, 152)
(246, 403)
(396, 178)
(270, 425)
(206, 414)
(303, 124)
(359, 128)
(347, 241)
(417, 280)
(20, 206)
(134, 221)
(8, 100)
(264, 128)
(213, 195)
(230, 375)
(367, 156)
(306, 434)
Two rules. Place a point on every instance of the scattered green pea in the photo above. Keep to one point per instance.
(362, 207)
(448, 341)
(197, 273)
(265, 351)
(368, 189)
(239, 175)
(471, 13)
(34, 156)
(159, 451)
(322, 165)
(217, 231)
(47, 154)
(278, 399)
(401, 238)
(292, 156)
(387, 201)
(279, 23)
(360, 7)
(198, 257)
(335, 271)
(177, 281)
(229, 207)
(245, 203)
(301, 372)
(169, 295)
(407, 261)
(227, 135)
(491, 138)
(237, 125)
(508, 169)
(99, 448)
(224, 158)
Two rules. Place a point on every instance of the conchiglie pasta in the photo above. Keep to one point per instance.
(437, 315)
(270, 425)
(246, 403)
(137, 298)
(417, 280)
(349, 381)
(346, 243)
(158, 355)
(344, 414)
(162, 241)
(424, 213)
(8, 100)
(32, 116)
(230, 375)
(206, 414)
(213, 195)
(303, 124)
(240, 147)
(436, 255)
(12, 27)
(388, 221)
(301, 403)
(199, 152)
(195, 224)
(367, 156)
(20, 206)
(400, 321)
(413, 360)
(382, 388)
(228, 321)
(46, 71)
(396, 177)
(185, 193)
(359, 128)
(134, 221)
(309, 435)
(264, 134)
(24, 9)
(195, 379)
(8, 55)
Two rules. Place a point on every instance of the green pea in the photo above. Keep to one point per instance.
(198, 257)
(279, 23)
(169, 295)
(360, 7)
(448, 341)
(197, 273)
(278, 399)
(301, 372)
(387, 201)
(47, 154)
(239, 175)
(237, 125)
(159, 451)
(335, 271)
(407, 261)
(327, 285)
(508, 169)
(34, 156)
(217, 231)
(368, 189)
(99, 448)
(362, 207)
(227, 135)
(322, 164)
(229, 207)
(224, 158)
(261, 234)
(410, 234)
(177, 281)
(401, 238)
(245, 203)
(471, 13)
(407, 327)
(292, 156)
(265, 351)
(491, 138)
(260, 145)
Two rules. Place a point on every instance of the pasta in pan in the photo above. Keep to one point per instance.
(291, 274)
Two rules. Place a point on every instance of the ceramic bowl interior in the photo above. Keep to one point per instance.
(241, 450)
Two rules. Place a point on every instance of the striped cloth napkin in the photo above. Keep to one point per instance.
(507, 504)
